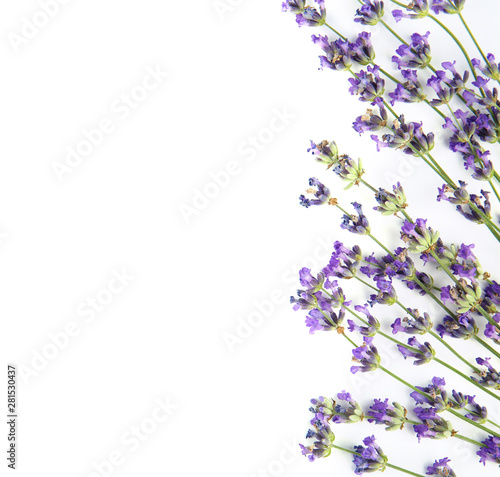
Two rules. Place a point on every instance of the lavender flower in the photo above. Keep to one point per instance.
(490, 451)
(462, 328)
(311, 16)
(434, 426)
(322, 194)
(390, 203)
(319, 320)
(434, 394)
(419, 9)
(322, 446)
(350, 413)
(361, 50)
(491, 70)
(367, 355)
(343, 262)
(337, 53)
(409, 137)
(478, 413)
(323, 410)
(415, 55)
(371, 121)
(294, 6)
(440, 468)
(394, 417)
(349, 171)
(370, 459)
(491, 331)
(373, 324)
(325, 152)
(357, 224)
(409, 92)
(423, 353)
(368, 85)
(489, 377)
(416, 324)
(370, 13)
(419, 237)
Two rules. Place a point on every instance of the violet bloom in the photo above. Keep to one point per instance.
(310, 283)
(478, 413)
(367, 355)
(321, 194)
(434, 426)
(409, 137)
(373, 324)
(294, 6)
(489, 377)
(325, 152)
(423, 353)
(440, 468)
(418, 9)
(318, 320)
(361, 50)
(322, 406)
(356, 224)
(343, 262)
(482, 203)
(390, 203)
(371, 121)
(394, 417)
(491, 70)
(434, 394)
(322, 446)
(415, 55)
(419, 237)
(416, 324)
(368, 85)
(337, 53)
(490, 451)
(370, 13)
(491, 331)
(387, 293)
(310, 16)
(409, 92)
(350, 172)
(371, 458)
(463, 328)
(350, 412)
(481, 167)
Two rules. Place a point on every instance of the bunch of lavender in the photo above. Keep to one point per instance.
(465, 294)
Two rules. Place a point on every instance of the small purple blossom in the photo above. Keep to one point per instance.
(489, 377)
(370, 459)
(310, 16)
(415, 55)
(416, 324)
(423, 353)
(336, 56)
(370, 13)
(356, 223)
(321, 194)
(361, 49)
(367, 84)
(418, 9)
(440, 468)
(367, 356)
(490, 451)
(394, 417)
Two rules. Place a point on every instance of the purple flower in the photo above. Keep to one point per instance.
(434, 394)
(367, 355)
(318, 320)
(294, 6)
(370, 13)
(325, 152)
(490, 451)
(337, 53)
(419, 237)
(419, 9)
(370, 459)
(321, 194)
(423, 353)
(415, 55)
(371, 121)
(491, 331)
(461, 327)
(491, 70)
(394, 417)
(361, 50)
(409, 92)
(434, 426)
(343, 262)
(416, 324)
(477, 413)
(310, 283)
(368, 85)
(356, 224)
(373, 323)
(349, 413)
(488, 377)
(440, 468)
(322, 446)
(390, 203)
(311, 16)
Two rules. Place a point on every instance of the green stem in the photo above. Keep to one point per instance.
(487, 346)
(464, 23)
(335, 31)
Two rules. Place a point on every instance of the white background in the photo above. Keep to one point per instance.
(197, 275)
